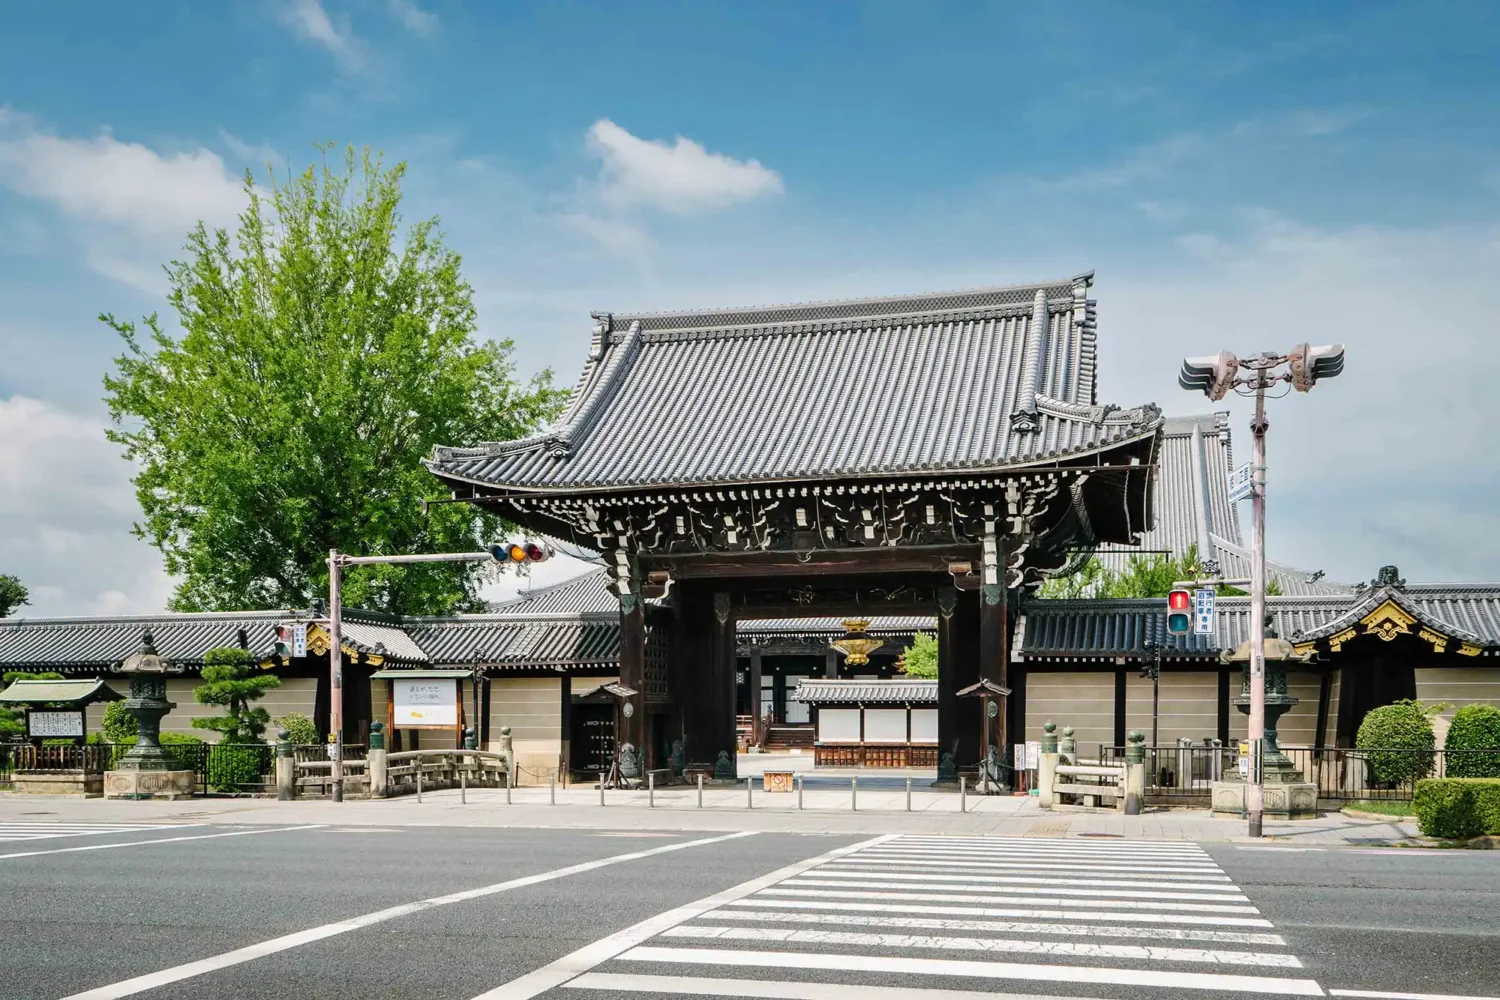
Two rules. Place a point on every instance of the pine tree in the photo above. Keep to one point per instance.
(232, 681)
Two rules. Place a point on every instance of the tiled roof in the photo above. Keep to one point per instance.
(588, 593)
(514, 641)
(1193, 508)
(973, 381)
(898, 691)
(60, 643)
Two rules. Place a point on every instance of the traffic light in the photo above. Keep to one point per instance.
(1179, 612)
(521, 552)
(1308, 364)
(282, 646)
(1213, 375)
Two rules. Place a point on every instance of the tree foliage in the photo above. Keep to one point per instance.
(232, 681)
(301, 730)
(1474, 730)
(325, 350)
(13, 594)
(921, 657)
(1143, 576)
(1399, 740)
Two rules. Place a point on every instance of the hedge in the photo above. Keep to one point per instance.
(1458, 808)
(1474, 728)
(188, 756)
(231, 766)
(1400, 742)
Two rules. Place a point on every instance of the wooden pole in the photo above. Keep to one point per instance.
(336, 673)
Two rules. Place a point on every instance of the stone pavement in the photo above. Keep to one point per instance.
(826, 808)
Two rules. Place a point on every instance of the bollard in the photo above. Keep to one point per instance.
(908, 793)
(463, 785)
(601, 789)
(419, 778)
(963, 794)
(651, 790)
(749, 792)
(854, 794)
(800, 783)
(700, 789)
(552, 789)
(286, 767)
(508, 783)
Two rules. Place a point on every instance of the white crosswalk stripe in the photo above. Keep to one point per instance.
(952, 918)
(16, 830)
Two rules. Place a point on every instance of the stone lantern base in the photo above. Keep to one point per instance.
(1290, 800)
(149, 784)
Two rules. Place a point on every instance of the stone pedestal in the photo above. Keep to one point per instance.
(86, 783)
(1289, 800)
(149, 784)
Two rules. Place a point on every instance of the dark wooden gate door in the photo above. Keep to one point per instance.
(593, 737)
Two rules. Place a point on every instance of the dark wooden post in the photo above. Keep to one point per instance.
(992, 655)
(633, 670)
(968, 712)
(1222, 721)
(1325, 692)
(831, 664)
(722, 669)
(755, 696)
(1119, 734)
(947, 688)
(565, 722)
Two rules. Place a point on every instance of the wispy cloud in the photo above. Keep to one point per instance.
(680, 177)
(1143, 163)
(309, 21)
(413, 18)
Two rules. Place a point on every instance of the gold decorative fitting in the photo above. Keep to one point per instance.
(317, 642)
(1335, 641)
(1469, 649)
(856, 644)
(1305, 648)
(1438, 640)
(1388, 621)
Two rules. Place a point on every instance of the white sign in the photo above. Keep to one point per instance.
(431, 702)
(1033, 754)
(55, 723)
(1244, 761)
(1203, 612)
(1241, 484)
(1021, 761)
(299, 639)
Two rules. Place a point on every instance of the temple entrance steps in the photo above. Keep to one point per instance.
(783, 738)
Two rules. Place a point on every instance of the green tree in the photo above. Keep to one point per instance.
(232, 681)
(13, 594)
(921, 657)
(1399, 740)
(1473, 742)
(1143, 576)
(325, 349)
(300, 729)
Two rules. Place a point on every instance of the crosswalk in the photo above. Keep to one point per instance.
(948, 918)
(14, 830)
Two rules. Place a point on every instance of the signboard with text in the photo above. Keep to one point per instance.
(54, 723)
(424, 702)
(1241, 484)
(1203, 612)
(299, 639)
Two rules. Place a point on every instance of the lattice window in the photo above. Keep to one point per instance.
(657, 688)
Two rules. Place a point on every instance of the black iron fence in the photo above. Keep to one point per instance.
(220, 767)
(1185, 774)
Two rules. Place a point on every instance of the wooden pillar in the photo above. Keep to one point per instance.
(1325, 693)
(1016, 721)
(755, 723)
(992, 656)
(633, 671)
(1223, 706)
(565, 717)
(831, 664)
(722, 668)
(967, 712)
(1119, 708)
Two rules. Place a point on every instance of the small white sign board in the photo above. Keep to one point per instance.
(55, 723)
(431, 702)
(299, 639)
(1241, 484)
(1033, 754)
(1021, 762)
(1203, 612)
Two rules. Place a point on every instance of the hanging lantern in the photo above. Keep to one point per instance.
(856, 644)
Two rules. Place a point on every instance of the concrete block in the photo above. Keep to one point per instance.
(149, 784)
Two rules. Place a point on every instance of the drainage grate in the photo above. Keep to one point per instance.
(1048, 828)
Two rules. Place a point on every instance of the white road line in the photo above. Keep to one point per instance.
(1009, 946)
(1298, 849)
(1090, 883)
(891, 882)
(1123, 871)
(1001, 926)
(158, 840)
(1123, 904)
(701, 986)
(1016, 857)
(1404, 996)
(153, 980)
(1103, 975)
(1032, 912)
(1039, 850)
(586, 958)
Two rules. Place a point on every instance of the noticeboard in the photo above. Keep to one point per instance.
(54, 723)
(425, 702)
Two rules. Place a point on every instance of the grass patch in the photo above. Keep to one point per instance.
(1381, 807)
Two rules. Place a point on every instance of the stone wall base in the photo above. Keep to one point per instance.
(86, 783)
(1298, 800)
(149, 784)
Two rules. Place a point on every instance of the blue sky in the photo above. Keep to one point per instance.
(1241, 176)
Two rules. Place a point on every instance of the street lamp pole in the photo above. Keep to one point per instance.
(1214, 376)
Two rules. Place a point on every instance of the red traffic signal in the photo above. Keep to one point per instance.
(1179, 612)
(521, 552)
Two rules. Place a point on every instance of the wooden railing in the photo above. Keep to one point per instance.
(444, 769)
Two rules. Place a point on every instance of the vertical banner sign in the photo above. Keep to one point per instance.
(1022, 761)
(1203, 612)
(1241, 484)
(299, 639)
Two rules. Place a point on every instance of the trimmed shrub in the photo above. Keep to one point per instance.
(1474, 728)
(301, 729)
(1458, 808)
(1400, 742)
(119, 726)
(231, 766)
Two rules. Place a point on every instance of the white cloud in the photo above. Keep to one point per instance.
(311, 22)
(67, 505)
(414, 18)
(682, 178)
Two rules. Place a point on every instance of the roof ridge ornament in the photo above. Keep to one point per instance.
(1024, 418)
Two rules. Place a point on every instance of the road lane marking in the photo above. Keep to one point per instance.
(1007, 881)
(1109, 976)
(1012, 946)
(1242, 848)
(1404, 996)
(1205, 874)
(1008, 911)
(586, 958)
(1005, 927)
(957, 895)
(158, 840)
(151, 981)
(774, 990)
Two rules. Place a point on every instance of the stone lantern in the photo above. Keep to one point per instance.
(148, 770)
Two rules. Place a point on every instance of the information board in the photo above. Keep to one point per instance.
(54, 723)
(429, 702)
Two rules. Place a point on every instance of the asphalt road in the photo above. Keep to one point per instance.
(1032, 917)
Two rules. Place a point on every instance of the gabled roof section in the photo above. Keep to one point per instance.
(516, 641)
(898, 690)
(976, 380)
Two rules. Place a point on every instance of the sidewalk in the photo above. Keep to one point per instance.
(825, 810)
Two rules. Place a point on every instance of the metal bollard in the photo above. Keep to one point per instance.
(601, 789)
(651, 791)
(700, 789)
(749, 792)
(552, 789)
(908, 793)
(508, 783)
(800, 783)
(419, 779)
(854, 794)
(963, 794)
(463, 786)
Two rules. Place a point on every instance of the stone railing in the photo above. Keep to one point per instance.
(1065, 779)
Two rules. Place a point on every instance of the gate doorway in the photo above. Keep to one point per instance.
(593, 737)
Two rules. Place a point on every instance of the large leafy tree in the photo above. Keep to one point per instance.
(325, 348)
(13, 594)
(1142, 576)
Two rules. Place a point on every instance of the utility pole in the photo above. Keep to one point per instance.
(1214, 376)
